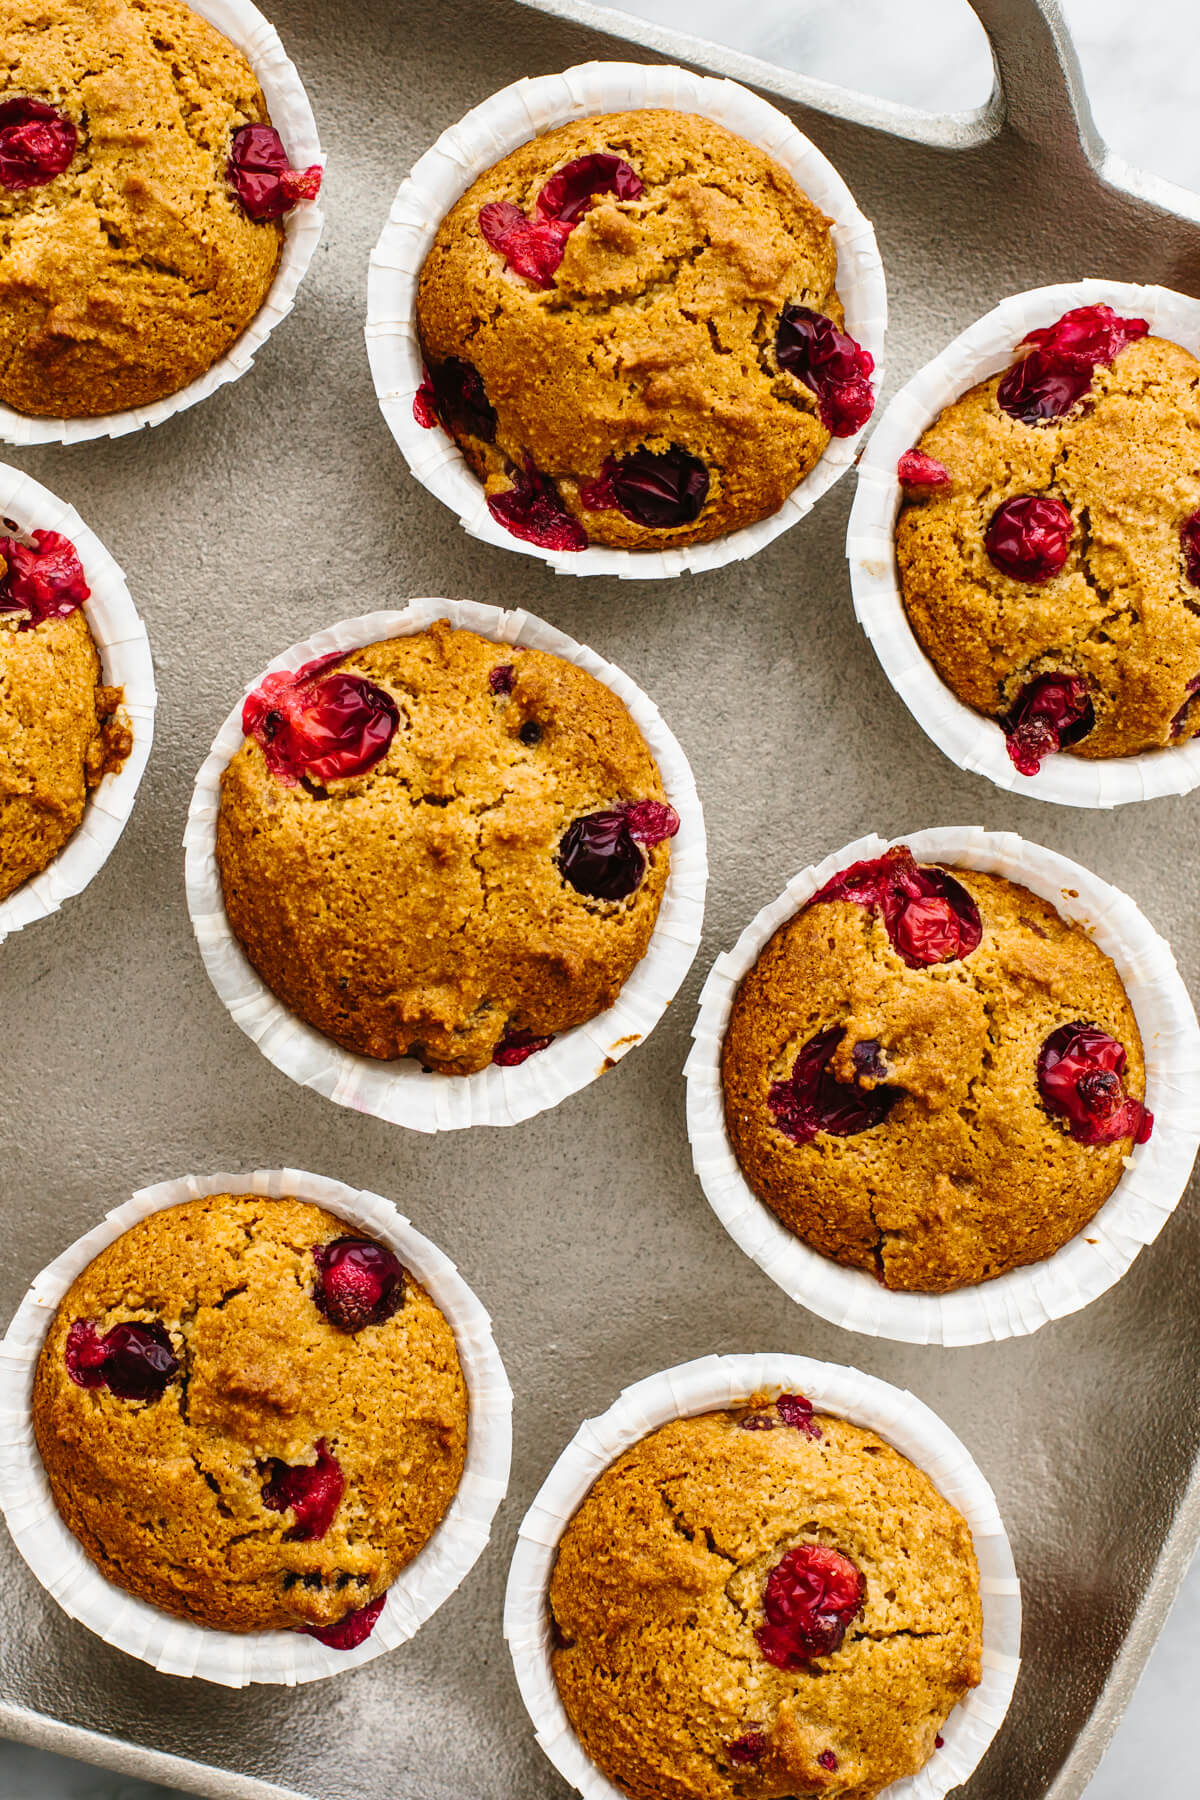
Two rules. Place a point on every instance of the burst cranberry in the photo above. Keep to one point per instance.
(915, 469)
(793, 1410)
(1183, 717)
(516, 1047)
(1189, 536)
(828, 1760)
(811, 347)
(454, 396)
(359, 1283)
(812, 1099)
(746, 1750)
(135, 1362)
(809, 1602)
(1079, 1075)
(929, 917)
(1047, 715)
(651, 821)
(312, 1491)
(532, 509)
(938, 1741)
(425, 404)
(656, 489)
(533, 248)
(319, 729)
(351, 1630)
(263, 179)
(37, 142)
(1028, 537)
(44, 579)
(502, 679)
(1058, 370)
(599, 854)
(568, 194)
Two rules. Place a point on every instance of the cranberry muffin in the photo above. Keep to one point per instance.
(1048, 542)
(631, 328)
(251, 1416)
(61, 728)
(768, 1602)
(930, 1075)
(443, 847)
(141, 192)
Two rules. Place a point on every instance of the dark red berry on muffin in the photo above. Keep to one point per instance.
(1079, 1076)
(516, 1047)
(533, 248)
(792, 1410)
(37, 142)
(263, 179)
(813, 1100)
(1048, 714)
(359, 1283)
(353, 1629)
(747, 1750)
(651, 821)
(828, 1760)
(599, 855)
(133, 1361)
(454, 396)
(811, 1598)
(1189, 535)
(532, 509)
(1029, 536)
(502, 679)
(657, 489)
(44, 580)
(311, 1491)
(938, 1741)
(1183, 717)
(425, 403)
(1059, 368)
(827, 360)
(569, 193)
(929, 917)
(316, 726)
(916, 469)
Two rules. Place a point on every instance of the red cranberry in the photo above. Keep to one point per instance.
(813, 1100)
(425, 403)
(454, 396)
(599, 854)
(263, 179)
(793, 1410)
(353, 1629)
(568, 194)
(135, 1362)
(938, 1741)
(1048, 714)
(533, 248)
(37, 142)
(828, 1760)
(929, 917)
(1183, 717)
(312, 1491)
(502, 679)
(811, 347)
(1058, 370)
(915, 469)
(746, 1750)
(516, 1047)
(1079, 1075)
(1028, 537)
(359, 1283)
(44, 580)
(1189, 535)
(651, 821)
(656, 489)
(810, 1599)
(319, 730)
(532, 509)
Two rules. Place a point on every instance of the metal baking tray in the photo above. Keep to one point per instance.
(280, 504)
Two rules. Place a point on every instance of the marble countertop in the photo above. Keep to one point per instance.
(931, 53)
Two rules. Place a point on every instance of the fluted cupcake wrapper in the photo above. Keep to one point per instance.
(490, 131)
(717, 1383)
(1156, 1173)
(292, 117)
(125, 660)
(402, 1092)
(235, 1659)
(969, 739)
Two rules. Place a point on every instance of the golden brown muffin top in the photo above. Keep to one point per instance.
(656, 332)
(691, 1670)
(1121, 614)
(421, 908)
(954, 1169)
(183, 1497)
(132, 271)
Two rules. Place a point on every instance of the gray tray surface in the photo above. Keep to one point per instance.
(280, 505)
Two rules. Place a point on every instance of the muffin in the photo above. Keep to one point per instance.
(442, 847)
(632, 330)
(61, 728)
(141, 192)
(1048, 542)
(763, 1603)
(928, 1074)
(250, 1417)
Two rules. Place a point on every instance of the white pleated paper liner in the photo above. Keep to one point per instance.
(716, 1383)
(402, 1092)
(292, 117)
(120, 638)
(235, 1659)
(972, 741)
(501, 124)
(1156, 1173)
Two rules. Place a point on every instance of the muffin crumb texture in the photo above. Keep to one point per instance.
(242, 1458)
(673, 1598)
